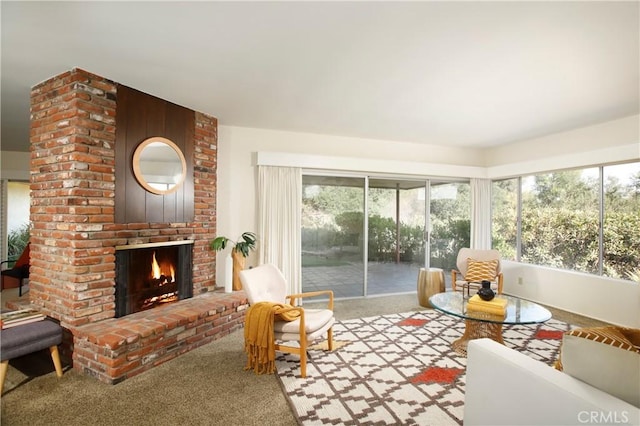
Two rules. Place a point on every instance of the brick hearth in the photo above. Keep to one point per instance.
(120, 348)
(74, 235)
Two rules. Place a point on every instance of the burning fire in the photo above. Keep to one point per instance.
(161, 286)
(156, 272)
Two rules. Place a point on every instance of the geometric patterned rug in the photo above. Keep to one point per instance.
(396, 369)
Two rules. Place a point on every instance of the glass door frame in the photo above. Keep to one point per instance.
(428, 182)
(365, 182)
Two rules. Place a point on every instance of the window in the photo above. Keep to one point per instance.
(621, 230)
(504, 217)
(17, 218)
(585, 220)
(560, 220)
(450, 219)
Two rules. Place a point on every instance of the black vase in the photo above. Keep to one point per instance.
(485, 292)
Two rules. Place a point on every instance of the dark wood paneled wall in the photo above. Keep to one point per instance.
(138, 117)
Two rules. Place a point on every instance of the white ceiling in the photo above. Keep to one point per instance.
(469, 74)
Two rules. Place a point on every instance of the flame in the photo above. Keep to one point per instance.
(155, 268)
(156, 273)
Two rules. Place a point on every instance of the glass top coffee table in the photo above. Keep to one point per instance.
(480, 324)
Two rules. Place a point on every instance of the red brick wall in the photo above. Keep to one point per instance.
(73, 235)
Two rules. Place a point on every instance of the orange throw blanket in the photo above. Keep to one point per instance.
(259, 341)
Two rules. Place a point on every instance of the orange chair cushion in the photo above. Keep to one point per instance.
(24, 257)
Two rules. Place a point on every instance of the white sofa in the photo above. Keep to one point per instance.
(506, 387)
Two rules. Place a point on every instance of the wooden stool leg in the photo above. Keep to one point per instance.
(3, 373)
(55, 356)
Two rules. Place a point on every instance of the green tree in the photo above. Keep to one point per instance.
(564, 189)
(450, 223)
(635, 185)
(350, 226)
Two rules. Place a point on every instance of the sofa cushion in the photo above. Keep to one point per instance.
(605, 358)
(619, 337)
(610, 335)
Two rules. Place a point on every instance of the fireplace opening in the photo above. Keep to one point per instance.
(149, 275)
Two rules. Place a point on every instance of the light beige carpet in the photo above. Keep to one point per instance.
(207, 386)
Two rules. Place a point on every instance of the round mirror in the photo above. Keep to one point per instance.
(158, 165)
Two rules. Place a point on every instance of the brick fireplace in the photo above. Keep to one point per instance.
(79, 165)
(151, 275)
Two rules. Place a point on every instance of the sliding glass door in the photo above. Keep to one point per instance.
(333, 234)
(367, 236)
(396, 235)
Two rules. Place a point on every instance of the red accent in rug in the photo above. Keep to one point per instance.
(437, 375)
(412, 322)
(549, 334)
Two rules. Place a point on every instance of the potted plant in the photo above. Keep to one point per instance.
(240, 251)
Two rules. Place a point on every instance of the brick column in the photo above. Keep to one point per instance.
(72, 197)
(205, 167)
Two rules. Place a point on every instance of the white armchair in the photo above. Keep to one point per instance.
(475, 266)
(265, 283)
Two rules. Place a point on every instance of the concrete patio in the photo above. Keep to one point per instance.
(383, 278)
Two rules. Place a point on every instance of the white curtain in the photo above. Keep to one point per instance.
(279, 227)
(480, 213)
